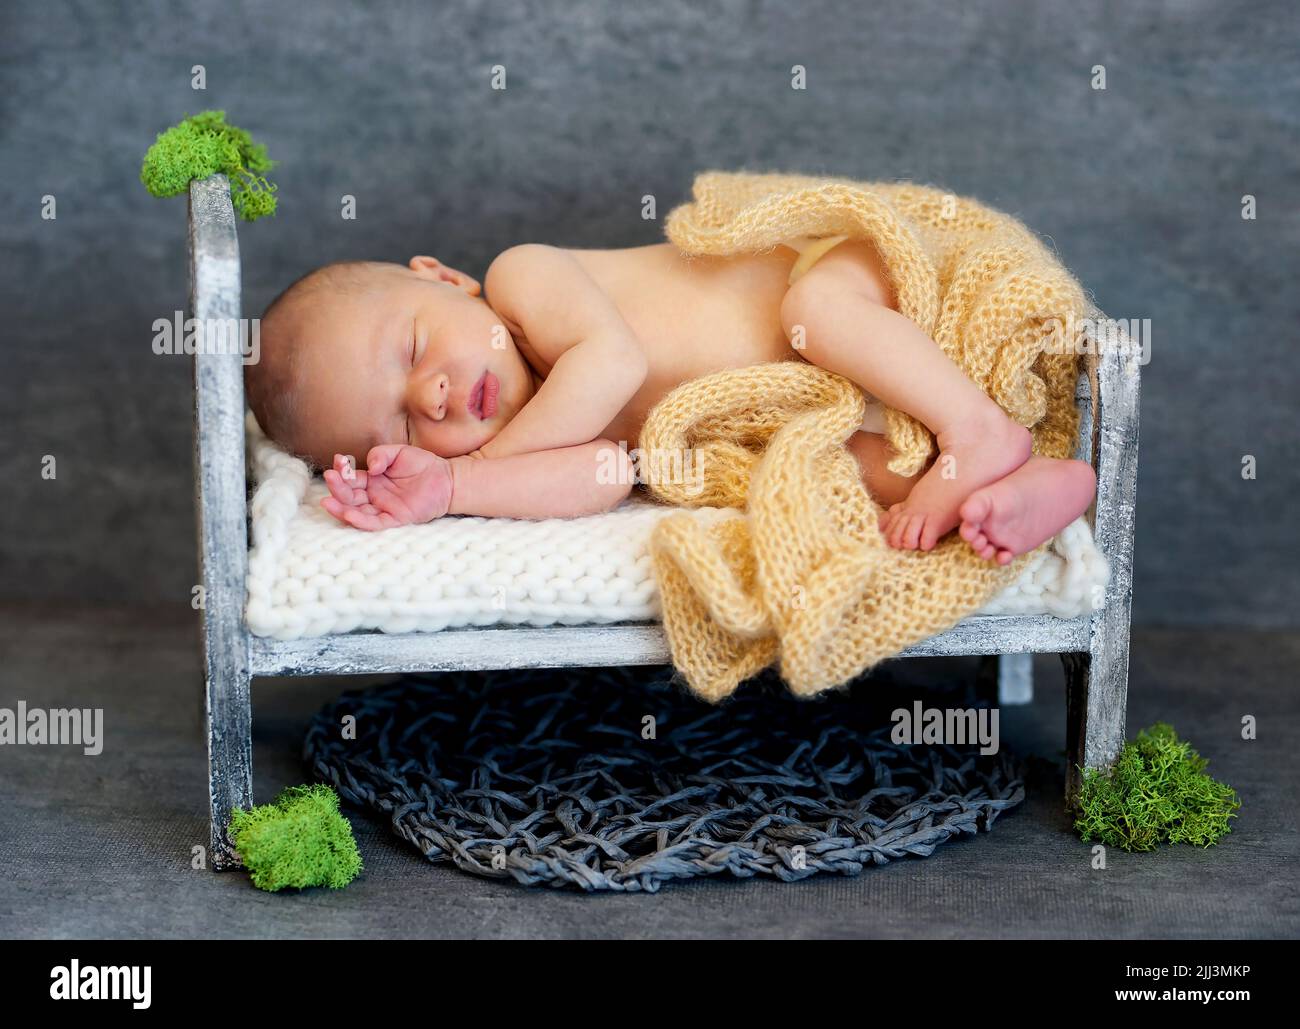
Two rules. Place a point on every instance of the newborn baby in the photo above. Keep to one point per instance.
(507, 404)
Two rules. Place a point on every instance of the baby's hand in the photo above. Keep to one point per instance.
(402, 485)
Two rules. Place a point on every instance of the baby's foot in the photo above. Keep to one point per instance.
(971, 455)
(1028, 507)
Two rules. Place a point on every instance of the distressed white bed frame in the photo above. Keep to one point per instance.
(1094, 648)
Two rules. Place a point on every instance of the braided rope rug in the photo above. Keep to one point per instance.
(548, 777)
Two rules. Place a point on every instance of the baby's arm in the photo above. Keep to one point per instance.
(597, 363)
(562, 482)
(404, 485)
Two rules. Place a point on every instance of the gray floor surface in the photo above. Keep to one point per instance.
(101, 846)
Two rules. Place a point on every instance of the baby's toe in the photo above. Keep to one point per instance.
(930, 534)
(982, 547)
(976, 508)
(896, 521)
(912, 532)
(898, 528)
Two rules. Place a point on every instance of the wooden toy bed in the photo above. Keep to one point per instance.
(1093, 647)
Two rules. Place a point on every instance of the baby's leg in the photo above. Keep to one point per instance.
(872, 453)
(838, 312)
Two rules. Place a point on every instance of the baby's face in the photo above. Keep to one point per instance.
(419, 358)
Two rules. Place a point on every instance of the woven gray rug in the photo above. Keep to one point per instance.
(615, 779)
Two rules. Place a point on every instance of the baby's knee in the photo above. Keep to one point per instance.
(822, 315)
(850, 278)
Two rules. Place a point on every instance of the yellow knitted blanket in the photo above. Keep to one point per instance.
(803, 575)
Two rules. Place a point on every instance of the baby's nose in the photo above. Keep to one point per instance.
(435, 397)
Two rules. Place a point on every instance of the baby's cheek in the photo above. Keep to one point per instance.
(446, 444)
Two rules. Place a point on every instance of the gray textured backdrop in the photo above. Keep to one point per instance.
(1139, 187)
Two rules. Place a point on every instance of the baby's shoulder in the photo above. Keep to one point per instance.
(525, 260)
(519, 277)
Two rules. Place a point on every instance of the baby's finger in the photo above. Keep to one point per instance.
(335, 508)
(380, 457)
(347, 515)
(387, 519)
(346, 466)
(371, 520)
(344, 492)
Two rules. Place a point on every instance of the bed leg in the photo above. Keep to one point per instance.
(230, 752)
(1097, 681)
(1015, 679)
(1096, 696)
(221, 506)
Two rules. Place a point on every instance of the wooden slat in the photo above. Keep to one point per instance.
(592, 645)
(365, 653)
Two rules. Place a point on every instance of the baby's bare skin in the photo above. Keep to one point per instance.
(592, 340)
(694, 316)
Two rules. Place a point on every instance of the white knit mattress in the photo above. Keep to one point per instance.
(310, 575)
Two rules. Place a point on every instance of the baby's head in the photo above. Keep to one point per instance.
(366, 352)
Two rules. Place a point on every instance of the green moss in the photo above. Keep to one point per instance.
(1157, 792)
(203, 145)
(301, 840)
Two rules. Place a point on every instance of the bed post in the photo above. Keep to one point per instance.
(220, 501)
(1015, 679)
(1097, 681)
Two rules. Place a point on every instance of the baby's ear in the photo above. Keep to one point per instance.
(435, 271)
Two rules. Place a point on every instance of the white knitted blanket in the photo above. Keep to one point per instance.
(310, 575)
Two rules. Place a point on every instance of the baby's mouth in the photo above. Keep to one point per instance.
(482, 401)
